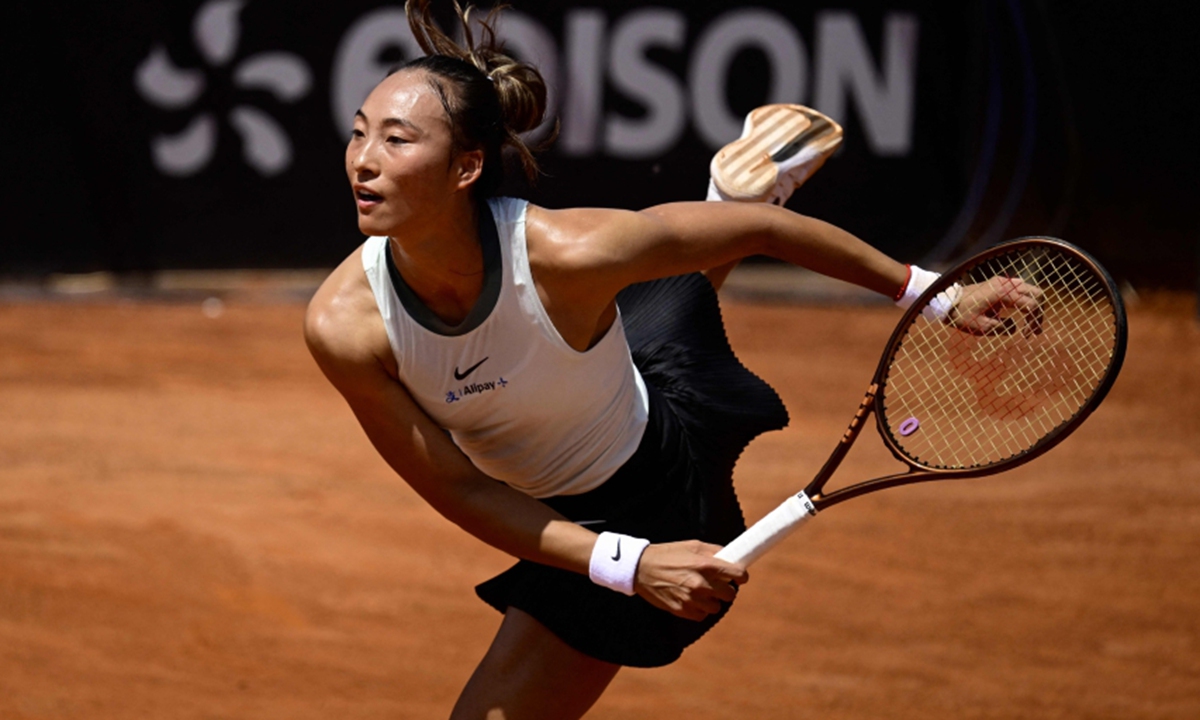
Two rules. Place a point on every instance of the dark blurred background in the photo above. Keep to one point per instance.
(139, 136)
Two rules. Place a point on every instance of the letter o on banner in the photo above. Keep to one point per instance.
(358, 66)
(722, 40)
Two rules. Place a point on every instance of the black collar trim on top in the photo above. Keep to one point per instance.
(493, 279)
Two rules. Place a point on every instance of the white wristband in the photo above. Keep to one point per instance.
(615, 561)
(919, 281)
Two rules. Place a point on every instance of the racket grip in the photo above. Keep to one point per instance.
(767, 532)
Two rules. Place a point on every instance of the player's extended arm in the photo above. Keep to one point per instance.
(739, 230)
(612, 249)
(595, 253)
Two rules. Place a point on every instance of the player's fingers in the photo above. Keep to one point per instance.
(1025, 296)
(1036, 316)
(984, 325)
(1028, 303)
(688, 611)
(1009, 292)
(724, 591)
(707, 606)
(716, 568)
(721, 571)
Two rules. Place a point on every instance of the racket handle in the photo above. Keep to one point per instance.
(766, 533)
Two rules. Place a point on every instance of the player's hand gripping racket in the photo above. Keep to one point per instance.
(993, 365)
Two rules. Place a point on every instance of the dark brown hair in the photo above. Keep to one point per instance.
(489, 98)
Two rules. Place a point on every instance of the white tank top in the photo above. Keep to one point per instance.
(522, 404)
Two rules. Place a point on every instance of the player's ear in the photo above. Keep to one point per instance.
(468, 167)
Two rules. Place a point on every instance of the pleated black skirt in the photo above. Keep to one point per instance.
(705, 407)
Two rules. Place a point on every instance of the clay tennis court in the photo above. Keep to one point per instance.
(193, 526)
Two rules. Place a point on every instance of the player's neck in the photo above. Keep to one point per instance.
(442, 263)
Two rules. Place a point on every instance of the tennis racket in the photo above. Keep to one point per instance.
(994, 364)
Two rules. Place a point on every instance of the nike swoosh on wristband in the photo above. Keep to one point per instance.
(617, 557)
(468, 371)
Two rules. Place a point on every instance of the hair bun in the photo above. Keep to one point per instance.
(512, 103)
(521, 92)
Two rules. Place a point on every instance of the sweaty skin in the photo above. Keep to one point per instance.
(413, 187)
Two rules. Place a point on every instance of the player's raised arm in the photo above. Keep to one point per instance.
(759, 229)
(611, 249)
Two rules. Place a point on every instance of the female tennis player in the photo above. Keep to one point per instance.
(556, 382)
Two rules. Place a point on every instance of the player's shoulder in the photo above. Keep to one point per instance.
(575, 221)
(342, 324)
(577, 238)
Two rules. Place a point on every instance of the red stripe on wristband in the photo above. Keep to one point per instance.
(904, 285)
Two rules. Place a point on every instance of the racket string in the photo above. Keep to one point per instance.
(978, 399)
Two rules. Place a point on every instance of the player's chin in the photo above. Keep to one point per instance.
(371, 225)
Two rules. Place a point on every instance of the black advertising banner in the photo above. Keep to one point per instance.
(148, 135)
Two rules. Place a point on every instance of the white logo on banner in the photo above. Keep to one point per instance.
(596, 55)
(265, 145)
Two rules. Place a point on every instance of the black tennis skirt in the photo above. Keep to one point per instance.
(705, 407)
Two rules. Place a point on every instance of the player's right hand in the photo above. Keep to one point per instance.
(685, 579)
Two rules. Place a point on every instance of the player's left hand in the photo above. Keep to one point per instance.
(985, 308)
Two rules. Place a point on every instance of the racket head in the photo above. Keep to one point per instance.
(964, 400)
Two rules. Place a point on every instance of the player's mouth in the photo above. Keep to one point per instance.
(365, 198)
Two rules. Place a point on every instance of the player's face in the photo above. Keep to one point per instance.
(399, 157)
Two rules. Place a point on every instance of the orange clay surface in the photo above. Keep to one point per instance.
(193, 526)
